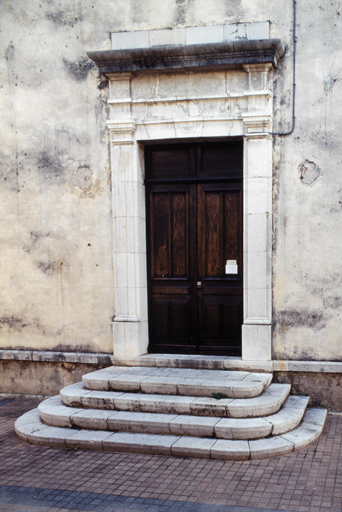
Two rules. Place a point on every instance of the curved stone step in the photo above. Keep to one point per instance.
(174, 381)
(54, 413)
(268, 403)
(30, 427)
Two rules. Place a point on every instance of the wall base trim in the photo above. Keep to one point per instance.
(173, 360)
(56, 357)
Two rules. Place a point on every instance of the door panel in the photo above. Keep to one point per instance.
(219, 299)
(169, 246)
(194, 225)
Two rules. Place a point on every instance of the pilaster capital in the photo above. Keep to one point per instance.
(122, 132)
(257, 125)
(119, 77)
(258, 68)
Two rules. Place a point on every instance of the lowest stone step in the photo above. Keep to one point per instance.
(268, 403)
(30, 427)
(174, 381)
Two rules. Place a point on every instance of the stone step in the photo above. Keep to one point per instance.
(268, 403)
(173, 381)
(54, 413)
(30, 427)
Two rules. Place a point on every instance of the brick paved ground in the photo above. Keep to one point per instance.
(44, 479)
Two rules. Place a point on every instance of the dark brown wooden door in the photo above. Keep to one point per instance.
(194, 225)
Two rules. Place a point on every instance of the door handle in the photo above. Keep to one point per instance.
(199, 284)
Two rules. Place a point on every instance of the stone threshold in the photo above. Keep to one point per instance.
(228, 363)
(174, 361)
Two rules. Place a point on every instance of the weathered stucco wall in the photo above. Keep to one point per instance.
(40, 378)
(308, 196)
(56, 263)
(55, 199)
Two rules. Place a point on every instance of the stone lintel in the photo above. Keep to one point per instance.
(227, 55)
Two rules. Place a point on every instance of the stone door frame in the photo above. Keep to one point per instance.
(136, 120)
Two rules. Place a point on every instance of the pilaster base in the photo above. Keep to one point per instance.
(256, 343)
(130, 338)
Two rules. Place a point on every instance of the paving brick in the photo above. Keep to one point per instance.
(308, 480)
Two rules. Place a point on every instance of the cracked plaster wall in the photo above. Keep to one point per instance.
(55, 198)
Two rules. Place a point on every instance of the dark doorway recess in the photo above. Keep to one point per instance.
(194, 226)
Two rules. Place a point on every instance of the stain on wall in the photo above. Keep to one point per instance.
(78, 70)
(300, 318)
(64, 17)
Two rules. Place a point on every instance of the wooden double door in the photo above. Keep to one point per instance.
(194, 247)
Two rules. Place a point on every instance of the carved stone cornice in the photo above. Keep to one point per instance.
(228, 55)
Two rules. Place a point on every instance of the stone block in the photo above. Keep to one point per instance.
(100, 399)
(125, 382)
(259, 30)
(164, 37)
(209, 406)
(230, 450)
(91, 419)
(234, 32)
(50, 436)
(231, 388)
(165, 404)
(127, 40)
(256, 343)
(315, 415)
(265, 378)
(71, 395)
(192, 447)
(200, 426)
(137, 422)
(242, 428)
(203, 35)
(53, 412)
(139, 443)
(86, 439)
(268, 403)
(162, 385)
(99, 380)
(27, 423)
(303, 435)
(289, 416)
(271, 447)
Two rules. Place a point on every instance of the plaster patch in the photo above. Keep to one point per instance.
(309, 172)
(83, 177)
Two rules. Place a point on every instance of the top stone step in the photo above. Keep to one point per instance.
(175, 381)
(195, 361)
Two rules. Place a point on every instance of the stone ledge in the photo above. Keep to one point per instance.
(56, 357)
(176, 361)
(231, 363)
(225, 55)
